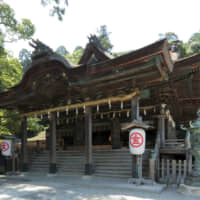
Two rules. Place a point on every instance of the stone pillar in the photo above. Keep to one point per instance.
(52, 149)
(88, 141)
(24, 149)
(115, 134)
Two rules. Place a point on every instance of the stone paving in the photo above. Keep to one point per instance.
(42, 187)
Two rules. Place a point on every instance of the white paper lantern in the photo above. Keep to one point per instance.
(137, 141)
(6, 147)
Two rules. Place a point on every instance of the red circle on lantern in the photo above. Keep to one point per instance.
(5, 146)
(136, 140)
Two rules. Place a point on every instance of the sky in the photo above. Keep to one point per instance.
(132, 23)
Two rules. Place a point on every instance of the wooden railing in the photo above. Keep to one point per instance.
(175, 143)
(173, 171)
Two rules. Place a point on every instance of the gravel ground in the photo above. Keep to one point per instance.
(64, 188)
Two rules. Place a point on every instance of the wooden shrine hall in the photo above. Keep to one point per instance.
(88, 104)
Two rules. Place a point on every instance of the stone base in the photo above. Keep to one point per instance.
(89, 169)
(189, 190)
(192, 180)
(52, 168)
(142, 181)
(24, 167)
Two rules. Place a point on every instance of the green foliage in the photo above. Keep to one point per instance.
(61, 50)
(76, 55)
(25, 58)
(11, 29)
(103, 36)
(10, 72)
(193, 44)
(191, 47)
(171, 36)
(57, 7)
(10, 69)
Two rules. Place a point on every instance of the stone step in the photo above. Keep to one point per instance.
(107, 163)
(108, 174)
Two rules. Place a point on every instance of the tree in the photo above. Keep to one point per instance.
(103, 36)
(76, 55)
(173, 40)
(11, 29)
(193, 44)
(57, 7)
(170, 36)
(61, 50)
(10, 75)
(25, 58)
(10, 72)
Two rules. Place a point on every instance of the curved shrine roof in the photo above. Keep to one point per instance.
(52, 80)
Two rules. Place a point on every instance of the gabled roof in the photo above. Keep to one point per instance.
(49, 81)
(187, 62)
(94, 48)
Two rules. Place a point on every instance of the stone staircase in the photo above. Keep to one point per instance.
(68, 162)
(117, 163)
(107, 163)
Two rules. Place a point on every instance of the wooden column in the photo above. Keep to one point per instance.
(78, 133)
(88, 141)
(135, 113)
(115, 134)
(162, 123)
(136, 160)
(169, 129)
(52, 152)
(24, 149)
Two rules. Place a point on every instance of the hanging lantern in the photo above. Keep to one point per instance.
(48, 114)
(145, 113)
(113, 115)
(58, 114)
(109, 104)
(168, 113)
(128, 114)
(97, 108)
(122, 104)
(173, 124)
(67, 111)
(84, 108)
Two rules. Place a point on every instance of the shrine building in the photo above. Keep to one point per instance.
(91, 106)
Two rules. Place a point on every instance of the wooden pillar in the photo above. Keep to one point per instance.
(115, 134)
(78, 133)
(169, 129)
(13, 155)
(136, 160)
(52, 152)
(24, 149)
(88, 141)
(135, 113)
(162, 125)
